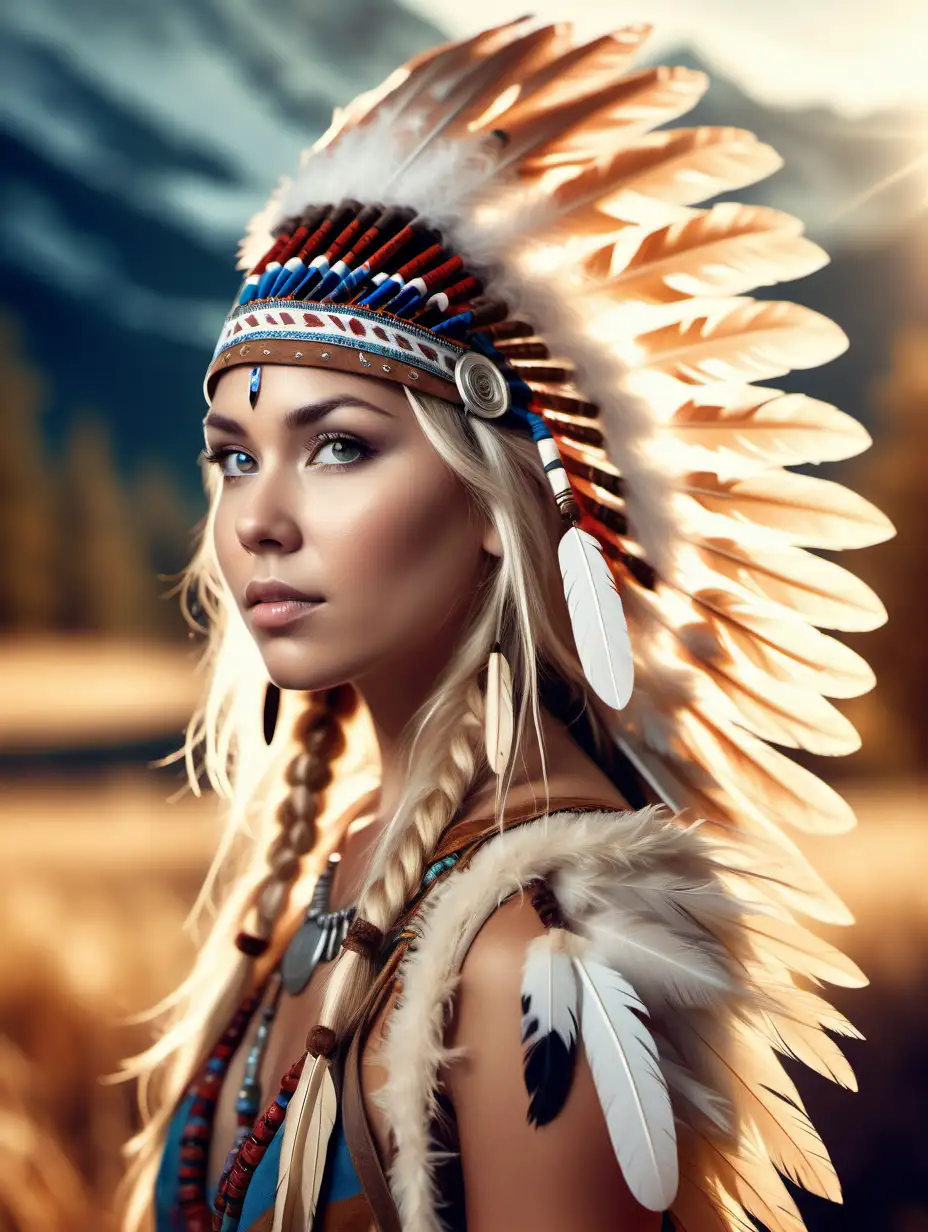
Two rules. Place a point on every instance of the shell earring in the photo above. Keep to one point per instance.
(498, 711)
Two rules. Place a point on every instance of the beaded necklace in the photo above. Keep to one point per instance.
(317, 940)
(198, 1131)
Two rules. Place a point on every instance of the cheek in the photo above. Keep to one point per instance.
(230, 555)
(410, 553)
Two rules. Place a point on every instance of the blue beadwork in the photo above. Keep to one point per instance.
(434, 870)
(254, 385)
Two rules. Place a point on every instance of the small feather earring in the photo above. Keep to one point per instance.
(498, 711)
(271, 711)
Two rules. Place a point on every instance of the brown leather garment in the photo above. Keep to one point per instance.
(465, 838)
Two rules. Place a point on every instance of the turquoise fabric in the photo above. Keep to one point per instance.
(339, 1179)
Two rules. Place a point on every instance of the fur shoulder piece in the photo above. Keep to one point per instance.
(673, 952)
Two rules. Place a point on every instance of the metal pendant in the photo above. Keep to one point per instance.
(318, 939)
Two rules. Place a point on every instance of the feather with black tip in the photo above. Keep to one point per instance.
(550, 998)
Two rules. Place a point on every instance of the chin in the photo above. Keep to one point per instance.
(301, 669)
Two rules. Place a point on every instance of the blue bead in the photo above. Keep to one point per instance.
(351, 281)
(406, 299)
(295, 278)
(328, 284)
(266, 280)
(453, 325)
(382, 294)
(247, 292)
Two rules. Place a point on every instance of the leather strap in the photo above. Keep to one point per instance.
(361, 1145)
(462, 833)
(468, 835)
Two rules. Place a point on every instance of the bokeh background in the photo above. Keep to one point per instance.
(137, 139)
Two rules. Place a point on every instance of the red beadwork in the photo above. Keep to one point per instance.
(233, 1187)
(343, 240)
(419, 263)
(194, 1161)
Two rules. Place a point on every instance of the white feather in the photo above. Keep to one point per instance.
(498, 725)
(548, 979)
(597, 618)
(631, 1087)
(307, 1130)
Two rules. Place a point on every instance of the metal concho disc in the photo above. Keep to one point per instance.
(482, 386)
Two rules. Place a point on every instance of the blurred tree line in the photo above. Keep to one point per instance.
(893, 719)
(84, 548)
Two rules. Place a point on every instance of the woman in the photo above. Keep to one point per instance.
(519, 996)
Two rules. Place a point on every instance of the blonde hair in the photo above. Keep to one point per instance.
(272, 837)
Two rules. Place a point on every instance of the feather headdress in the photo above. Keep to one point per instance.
(507, 222)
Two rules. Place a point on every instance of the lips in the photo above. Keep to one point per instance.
(273, 591)
(275, 605)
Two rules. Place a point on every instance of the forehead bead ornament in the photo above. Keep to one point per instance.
(482, 386)
(254, 387)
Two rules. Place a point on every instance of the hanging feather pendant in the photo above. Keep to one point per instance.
(550, 1008)
(631, 1087)
(498, 711)
(597, 618)
(307, 1128)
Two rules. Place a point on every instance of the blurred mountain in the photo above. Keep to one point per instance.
(138, 138)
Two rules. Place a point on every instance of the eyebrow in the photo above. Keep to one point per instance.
(299, 417)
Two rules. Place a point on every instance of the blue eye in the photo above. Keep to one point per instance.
(232, 463)
(235, 464)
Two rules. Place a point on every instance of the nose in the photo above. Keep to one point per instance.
(266, 524)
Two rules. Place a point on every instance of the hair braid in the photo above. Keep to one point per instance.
(419, 823)
(319, 733)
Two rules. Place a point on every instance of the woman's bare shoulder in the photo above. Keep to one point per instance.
(519, 1175)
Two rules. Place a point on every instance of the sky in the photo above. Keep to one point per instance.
(854, 56)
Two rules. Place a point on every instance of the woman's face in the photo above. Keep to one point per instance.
(331, 492)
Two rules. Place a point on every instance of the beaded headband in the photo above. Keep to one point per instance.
(368, 290)
(374, 291)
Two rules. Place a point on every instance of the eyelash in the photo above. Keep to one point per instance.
(215, 457)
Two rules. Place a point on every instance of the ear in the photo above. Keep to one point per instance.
(491, 541)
